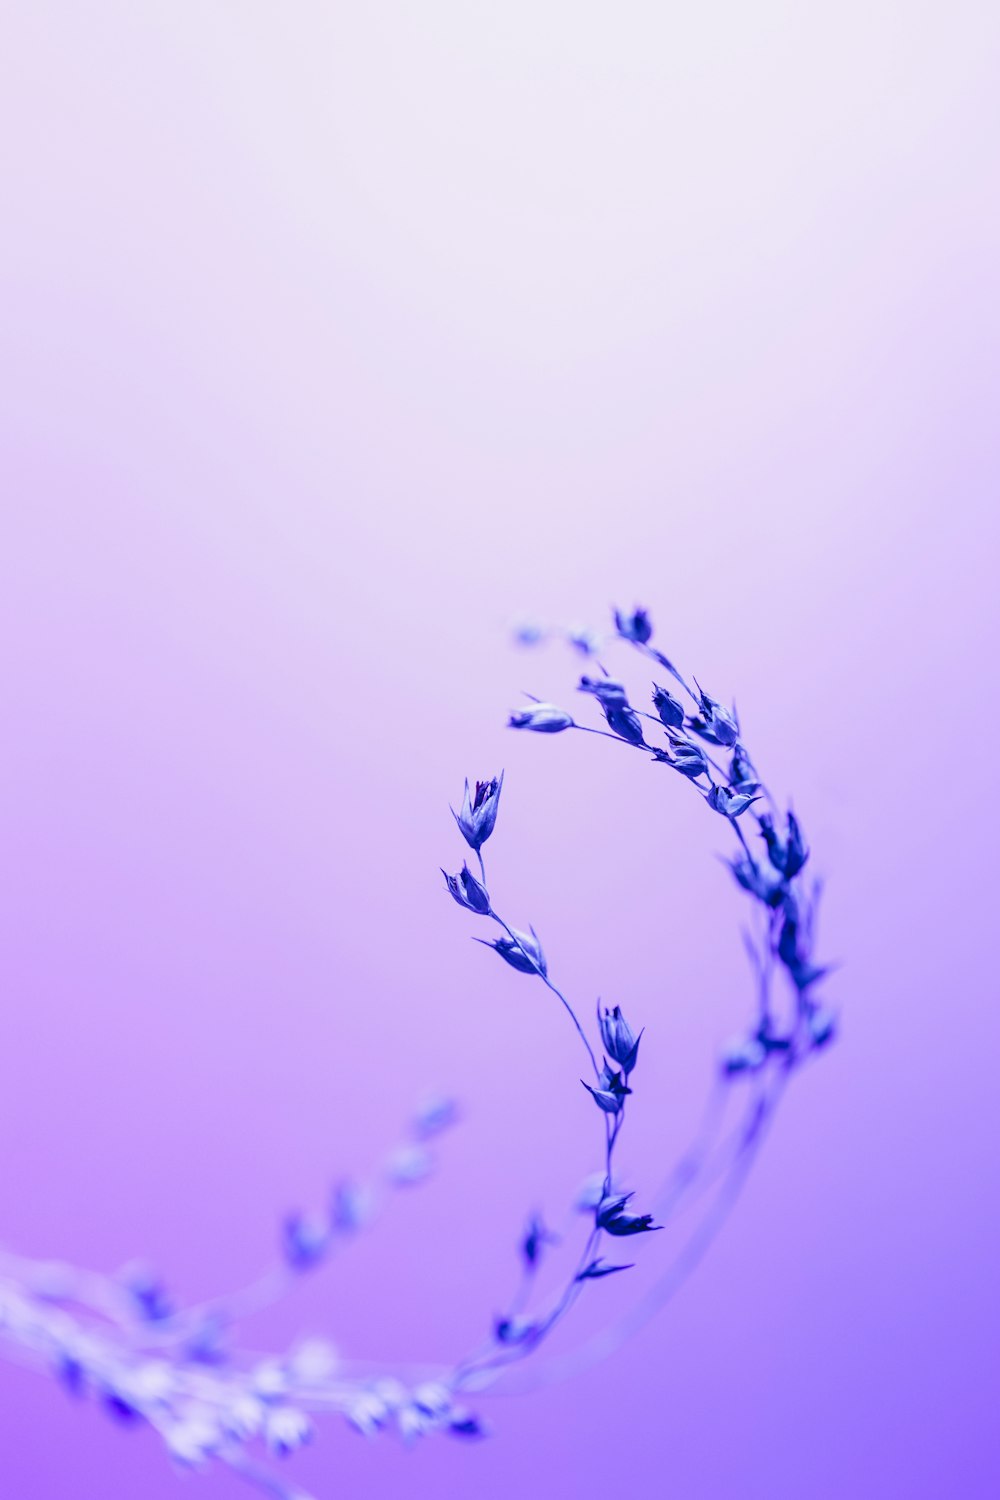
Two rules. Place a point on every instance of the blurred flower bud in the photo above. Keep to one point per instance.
(409, 1164)
(613, 1218)
(286, 1429)
(758, 882)
(305, 1240)
(437, 1113)
(147, 1291)
(535, 1239)
(608, 692)
(787, 855)
(513, 1330)
(544, 718)
(744, 1055)
(636, 626)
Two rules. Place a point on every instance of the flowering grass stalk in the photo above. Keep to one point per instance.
(121, 1338)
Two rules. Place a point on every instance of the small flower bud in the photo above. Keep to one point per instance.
(745, 1055)
(468, 891)
(535, 1239)
(529, 633)
(741, 767)
(587, 642)
(620, 1042)
(636, 626)
(683, 756)
(544, 718)
(409, 1164)
(513, 1330)
(350, 1207)
(479, 811)
(286, 1429)
(608, 692)
(149, 1295)
(716, 724)
(626, 723)
(466, 1425)
(522, 952)
(610, 1092)
(822, 1026)
(669, 708)
(437, 1113)
(729, 803)
(758, 882)
(305, 1241)
(788, 855)
(613, 1219)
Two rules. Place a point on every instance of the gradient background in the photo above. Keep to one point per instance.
(335, 338)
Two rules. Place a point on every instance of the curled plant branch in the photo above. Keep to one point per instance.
(122, 1339)
(710, 1174)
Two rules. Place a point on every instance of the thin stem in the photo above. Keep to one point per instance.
(549, 985)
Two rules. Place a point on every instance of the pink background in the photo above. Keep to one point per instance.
(336, 338)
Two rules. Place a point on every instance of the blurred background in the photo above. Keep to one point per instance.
(335, 340)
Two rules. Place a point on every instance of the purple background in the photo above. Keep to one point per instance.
(336, 338)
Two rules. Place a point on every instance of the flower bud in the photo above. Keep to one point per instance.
(608, 692)
(729, 803)
(716, 724)
(286, 1429)
(305, 1241)
(626, 723)
(610, 1092)
(788, 855)
(636, 626)
(620, 1042)
(669, 708)
(613, 1219)
(468, 891)
(544, 718)
(479, 811)
(522, 952)
(683, 755)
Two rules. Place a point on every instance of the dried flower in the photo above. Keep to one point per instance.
(636, 626)
(716, 724)
(535, 1239)
(305, 1241)
(468, 891)
(479, 811)
(787, 855)
(683, 756)
(522, 951)
(544, 718)
(608, 692)
(613, 1218)
(669, 708)
(619, 1041)
(729, 803)
(610, 1091)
